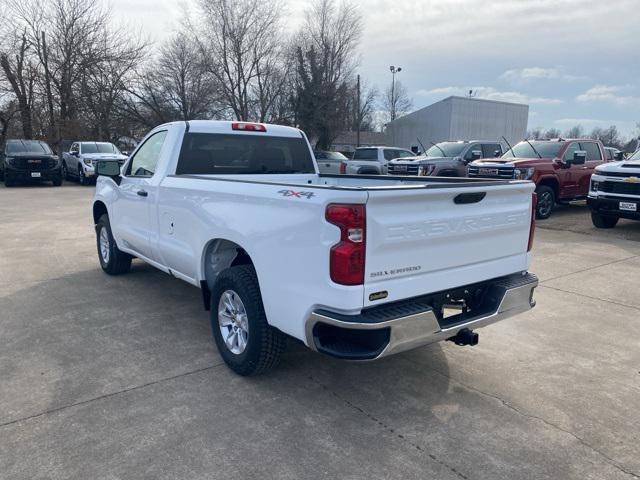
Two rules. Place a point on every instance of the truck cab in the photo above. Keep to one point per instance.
(560, 168)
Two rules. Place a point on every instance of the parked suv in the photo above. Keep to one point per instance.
(79, 161)
(373, 160)
(614, 192)
(27, 160)
(446, 159)
(561, 168)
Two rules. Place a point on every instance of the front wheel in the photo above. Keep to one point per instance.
(112, 260)
(245, 340)
(8, 181)
(65, 172)
(82, 178)
(546, 202)
(57, 181)
(603, 221)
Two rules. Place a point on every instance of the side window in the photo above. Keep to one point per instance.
(609, 154)
(592, 149)
(143, 163)
(571, 149)
(389, 154)
(489, 150)
(74, 148)
(470, 150)
(404, 154)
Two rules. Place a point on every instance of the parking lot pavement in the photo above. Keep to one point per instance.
(117, 377)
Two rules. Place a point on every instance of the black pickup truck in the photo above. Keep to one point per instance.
(29, 160)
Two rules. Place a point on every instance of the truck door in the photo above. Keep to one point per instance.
(594, 158)
(137, 197)
(568, 175)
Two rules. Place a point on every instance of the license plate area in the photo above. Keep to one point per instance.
(488, 171)
(36, 174)
(628, 206)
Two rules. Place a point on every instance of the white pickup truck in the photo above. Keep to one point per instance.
(356, 268)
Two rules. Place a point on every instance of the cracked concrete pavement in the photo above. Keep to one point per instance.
(118, 378)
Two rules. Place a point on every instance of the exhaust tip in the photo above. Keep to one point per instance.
(465, 337)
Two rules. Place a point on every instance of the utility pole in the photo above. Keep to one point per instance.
(393, 70)
(359, 119)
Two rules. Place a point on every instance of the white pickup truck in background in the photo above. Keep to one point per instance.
(354, 267)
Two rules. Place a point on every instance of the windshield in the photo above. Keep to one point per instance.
(366, 154)
(216, 154)
(446, 149)
(635, 156)
(330, 156)
(99, 147)
(524, 150)
(28, 146)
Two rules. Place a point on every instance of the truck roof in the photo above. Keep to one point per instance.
(225, 126)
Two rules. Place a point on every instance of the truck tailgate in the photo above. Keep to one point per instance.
(423, 241)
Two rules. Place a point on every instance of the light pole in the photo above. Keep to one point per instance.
(393, 70)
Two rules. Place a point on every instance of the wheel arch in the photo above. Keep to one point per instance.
(552, 183)
(99, 209)
(217, 255)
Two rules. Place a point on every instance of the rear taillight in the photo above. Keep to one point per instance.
(346, 260)
(532, 227)
(248, 127)
(343, 168)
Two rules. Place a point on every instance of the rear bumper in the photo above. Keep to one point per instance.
(382, 331)
(610, 206)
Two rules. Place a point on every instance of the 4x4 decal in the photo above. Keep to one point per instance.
(292, 193)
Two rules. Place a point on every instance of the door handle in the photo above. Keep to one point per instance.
(142, 193)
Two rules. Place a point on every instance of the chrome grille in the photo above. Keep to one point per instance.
(491, 171)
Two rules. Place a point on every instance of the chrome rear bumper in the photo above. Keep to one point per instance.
(392, 331)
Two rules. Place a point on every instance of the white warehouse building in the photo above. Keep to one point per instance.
(459, 118)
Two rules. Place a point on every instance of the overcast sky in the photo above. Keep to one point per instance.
(572, 61)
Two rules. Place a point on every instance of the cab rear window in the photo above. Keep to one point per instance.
(224, 154)
(366, 154)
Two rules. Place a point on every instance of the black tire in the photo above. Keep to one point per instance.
(57, 181)
(265, 344)
(82, 179)
(117, 262)
(1, 174)
(546, 202)
(604, 221)
(8, 181)
(65, 171)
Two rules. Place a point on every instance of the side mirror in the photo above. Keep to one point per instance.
(108, 168)
(497, 153)
(75, 154)
(579, 157)
(618, 156)
(476, 154)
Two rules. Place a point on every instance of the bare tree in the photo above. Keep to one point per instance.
(396, 101)
(20, 72)
(325, 62)
(241, 41)
(552, 133)
(575, 132)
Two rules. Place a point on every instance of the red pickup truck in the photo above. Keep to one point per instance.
(561, 168)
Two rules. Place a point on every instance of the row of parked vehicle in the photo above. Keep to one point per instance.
(34, 160)
(561, 168)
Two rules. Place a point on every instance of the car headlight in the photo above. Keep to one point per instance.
(594, 185)
(426, 170)
(523, 173)
(9, 160)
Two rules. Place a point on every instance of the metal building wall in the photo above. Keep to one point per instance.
(459, 118)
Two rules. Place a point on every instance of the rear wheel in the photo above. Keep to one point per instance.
(604, 221)
(112, 260)
(546, 202)
(245, 340)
